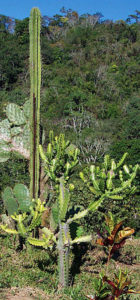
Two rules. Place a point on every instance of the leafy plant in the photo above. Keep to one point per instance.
(117, 236)
(112, 290)
(120, 285)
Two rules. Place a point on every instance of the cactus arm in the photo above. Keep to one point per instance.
(35, 79)
(8, 230)
(82, 239)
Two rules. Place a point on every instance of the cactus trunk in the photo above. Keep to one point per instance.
(63, 255)
(35, 81)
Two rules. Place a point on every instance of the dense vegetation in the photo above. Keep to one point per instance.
(89, 95)
(90, 86)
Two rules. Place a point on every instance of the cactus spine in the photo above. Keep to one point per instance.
(35, 81)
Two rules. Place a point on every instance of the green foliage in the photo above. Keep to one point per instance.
(22, 31)
(89, 81)
(100, 287)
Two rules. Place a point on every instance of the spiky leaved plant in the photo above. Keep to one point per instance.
(35, 82)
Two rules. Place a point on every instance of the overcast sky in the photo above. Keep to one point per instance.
(111, 9)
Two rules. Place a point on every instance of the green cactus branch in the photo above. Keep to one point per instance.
(35, 80)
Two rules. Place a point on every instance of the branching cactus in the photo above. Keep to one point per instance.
(61, 235)
(25, 223)
(112, 180)
(59, 159)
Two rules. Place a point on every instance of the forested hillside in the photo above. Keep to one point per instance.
(90, 83)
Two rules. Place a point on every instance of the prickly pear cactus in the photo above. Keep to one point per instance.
(16, 200)
(9, 201)
(5, 151)
(15, 132)
(15, 114)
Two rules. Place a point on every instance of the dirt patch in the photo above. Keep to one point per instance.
(27, 293)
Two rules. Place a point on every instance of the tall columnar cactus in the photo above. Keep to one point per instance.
(35, 81)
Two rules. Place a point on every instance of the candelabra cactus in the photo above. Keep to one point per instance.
(102, 180)
(62, 238)
(60, 158)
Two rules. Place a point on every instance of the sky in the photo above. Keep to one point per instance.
(110, 9)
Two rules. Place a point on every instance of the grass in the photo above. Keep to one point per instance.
(33, 272)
